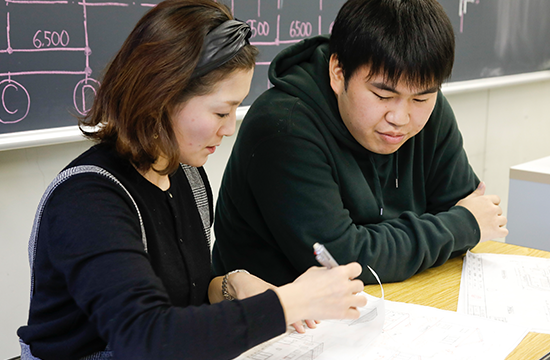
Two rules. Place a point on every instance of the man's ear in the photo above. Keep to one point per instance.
(337, 81)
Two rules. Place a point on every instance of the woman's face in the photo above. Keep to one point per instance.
(201, 122)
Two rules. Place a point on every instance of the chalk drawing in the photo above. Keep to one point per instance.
(49, 40)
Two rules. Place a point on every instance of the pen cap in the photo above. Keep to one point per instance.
(323, 256)
(317, 248)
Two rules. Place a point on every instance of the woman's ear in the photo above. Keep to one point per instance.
(336, 73)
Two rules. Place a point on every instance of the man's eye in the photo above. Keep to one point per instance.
(381, 97)
(222, 115)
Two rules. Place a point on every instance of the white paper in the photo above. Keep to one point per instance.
(509, 288)
(332, 339)
(411, 332)
(414, 332)
(394, 330)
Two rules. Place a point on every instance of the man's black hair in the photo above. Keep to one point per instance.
(408, 40)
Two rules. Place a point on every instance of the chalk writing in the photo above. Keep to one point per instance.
(48, 39)
(463, 9)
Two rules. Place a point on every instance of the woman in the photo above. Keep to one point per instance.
(120, 251)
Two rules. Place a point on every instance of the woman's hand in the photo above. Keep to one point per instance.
(243, 285)
(321, 293)
(246, 285)
(299, 325)
(240, 285)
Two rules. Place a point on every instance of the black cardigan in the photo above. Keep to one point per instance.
(94, 283)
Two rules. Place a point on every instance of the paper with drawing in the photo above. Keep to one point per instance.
(414, 332)
(508, 288)
(332, 339)
(393, 330)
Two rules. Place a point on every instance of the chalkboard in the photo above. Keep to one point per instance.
(53, 52)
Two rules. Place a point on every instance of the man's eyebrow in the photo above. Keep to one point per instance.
(386, 87)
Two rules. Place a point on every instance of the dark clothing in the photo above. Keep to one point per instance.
(94, 283)
(297, 176)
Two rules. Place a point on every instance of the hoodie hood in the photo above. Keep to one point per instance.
(302, 71)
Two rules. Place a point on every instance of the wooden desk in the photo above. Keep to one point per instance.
(438, 287)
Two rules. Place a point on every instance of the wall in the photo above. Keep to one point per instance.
(501, 127)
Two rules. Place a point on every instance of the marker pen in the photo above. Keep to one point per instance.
(323, 256)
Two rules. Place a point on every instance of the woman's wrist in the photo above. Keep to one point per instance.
(229, 290)
(292, 302)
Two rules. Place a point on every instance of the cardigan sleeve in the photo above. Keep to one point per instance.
(94, 243)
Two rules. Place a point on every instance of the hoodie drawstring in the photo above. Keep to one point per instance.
(396, 170)
(378, 186)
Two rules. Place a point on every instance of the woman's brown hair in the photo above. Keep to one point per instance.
(152, 74)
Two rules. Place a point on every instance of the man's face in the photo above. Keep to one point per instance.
(379, 115)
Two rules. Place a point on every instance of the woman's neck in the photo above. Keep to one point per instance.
(160, 181)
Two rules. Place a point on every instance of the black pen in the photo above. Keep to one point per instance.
(323, 256)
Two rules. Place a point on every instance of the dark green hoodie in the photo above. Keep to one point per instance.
(297, 176)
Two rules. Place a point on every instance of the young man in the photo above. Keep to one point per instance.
(356, 148)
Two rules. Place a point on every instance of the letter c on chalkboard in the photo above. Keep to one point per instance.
(11, 115)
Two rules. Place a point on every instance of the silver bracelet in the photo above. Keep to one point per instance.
(226, 293)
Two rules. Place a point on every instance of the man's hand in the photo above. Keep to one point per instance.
(487, 212)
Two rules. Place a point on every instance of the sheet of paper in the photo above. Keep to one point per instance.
(413, 332)
(332, 339)
(509, 288)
